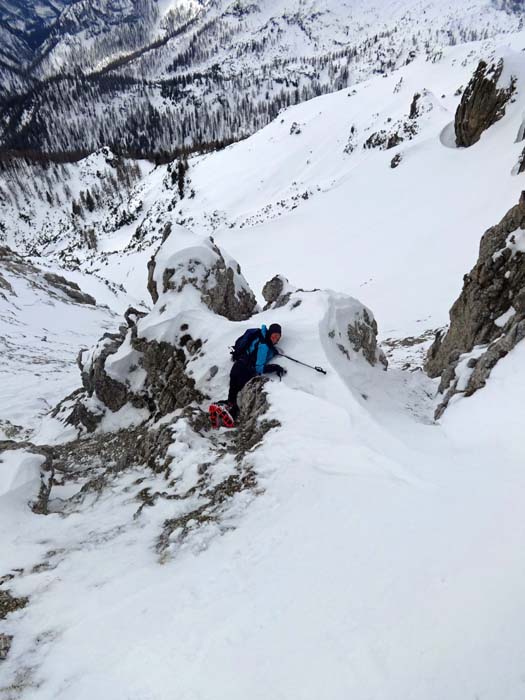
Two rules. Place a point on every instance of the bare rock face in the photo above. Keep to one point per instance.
(71, 289)
(276, 292)
(253, 426)
(163, 383)
(152, 285)
(483, 103)
(167, 384)
(112, 393)
(488, 318)
(362, 334)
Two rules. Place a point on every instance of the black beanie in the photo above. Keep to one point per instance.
(274, 328)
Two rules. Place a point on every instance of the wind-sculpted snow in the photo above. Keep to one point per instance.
(152, 458)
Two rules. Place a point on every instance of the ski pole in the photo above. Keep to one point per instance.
(317, 369)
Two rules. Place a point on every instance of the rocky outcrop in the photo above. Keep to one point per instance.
(483, 103)
(362, 334)
(488, 318)
(5, 645)
(253, 405)
(167, 383)
(205, 267)
(95, 380)
(353, 329)
(70, 289)
(276, 292)
(163, 383)
(54, 285)
(147, 364)
(404, 129)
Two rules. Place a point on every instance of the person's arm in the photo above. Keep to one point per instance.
(262, 358)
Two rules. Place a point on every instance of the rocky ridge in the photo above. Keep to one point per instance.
(488, 318)
(165, 463)
(483, 103)
(151, 373)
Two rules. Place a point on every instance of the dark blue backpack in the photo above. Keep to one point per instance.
(245, 345)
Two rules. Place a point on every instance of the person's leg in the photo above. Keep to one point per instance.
(240, 375)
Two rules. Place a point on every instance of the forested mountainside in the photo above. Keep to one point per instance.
(152, 79)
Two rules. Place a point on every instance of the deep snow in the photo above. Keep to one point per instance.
(384, 559)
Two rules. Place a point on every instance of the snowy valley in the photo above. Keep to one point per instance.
(359, 533)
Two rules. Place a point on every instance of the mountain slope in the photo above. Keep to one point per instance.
(340, 543)
(307, 184)
(375, 554)
(201, 75)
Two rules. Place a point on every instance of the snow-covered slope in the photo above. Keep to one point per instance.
(368, 553)
(307, 197)
(44, 321)
(340, 543)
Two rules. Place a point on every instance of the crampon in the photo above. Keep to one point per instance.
(220, 416)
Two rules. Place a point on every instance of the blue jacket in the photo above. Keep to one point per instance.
(262, 350)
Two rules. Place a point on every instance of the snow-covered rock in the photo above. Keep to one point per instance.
(205, 268)
(488, 318)
(147, 364)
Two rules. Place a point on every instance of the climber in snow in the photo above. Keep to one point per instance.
(251, 355)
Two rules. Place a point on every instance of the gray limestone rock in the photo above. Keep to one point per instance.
(276, 292)
(168, 384)
(221, 285)
(9, 603)
(71, 289)
(362, 335)
(482, 104)
(253, 426)
(96, 381)
(488, 318)
(81, 417)
(5, 645)
(221, 296)
(152, 285)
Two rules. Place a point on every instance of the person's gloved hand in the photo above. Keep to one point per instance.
(277, 369)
